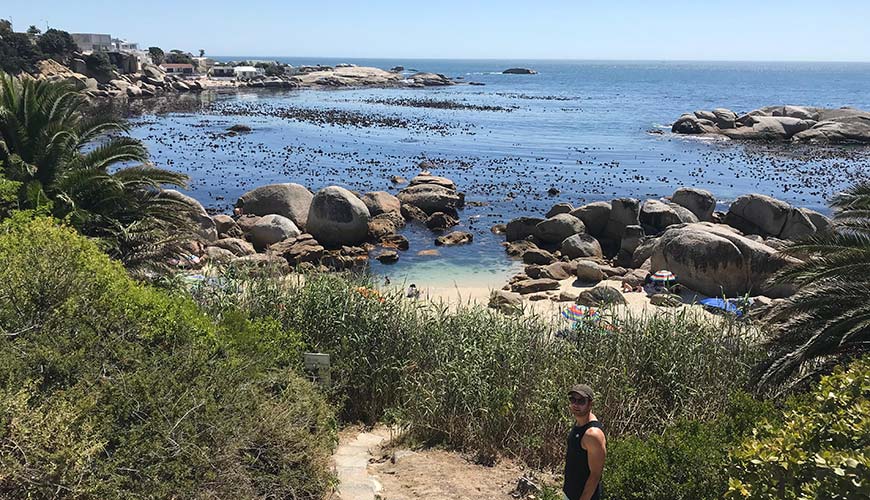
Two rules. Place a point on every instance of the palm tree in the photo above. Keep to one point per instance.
(827, 321)
(78, 166)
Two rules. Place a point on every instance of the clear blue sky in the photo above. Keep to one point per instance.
(768, 30)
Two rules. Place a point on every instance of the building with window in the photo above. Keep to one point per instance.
(248, 72)
(177, 69)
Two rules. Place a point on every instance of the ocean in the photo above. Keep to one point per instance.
(594, 130)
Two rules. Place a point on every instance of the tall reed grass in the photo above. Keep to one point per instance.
(494, 384)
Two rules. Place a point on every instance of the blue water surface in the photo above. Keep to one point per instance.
(595, 130)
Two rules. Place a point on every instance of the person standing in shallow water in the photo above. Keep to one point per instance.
(587, 448)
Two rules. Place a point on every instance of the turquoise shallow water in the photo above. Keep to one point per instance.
(583, 127)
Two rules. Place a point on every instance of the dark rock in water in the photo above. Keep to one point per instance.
(600, 296)
(430, 198)
(397, 69)
(239, 128)
(519, 71)
(498, 229)
(553, 191)
(534, 285)
(388, 257)
(385, 224)
(440, 221)
(412, 213)
(521, 228)
(395, 241)
(559, 208)
(430, 79)
(477, 84)
(398, 179)
(337, 217)
(454, 238)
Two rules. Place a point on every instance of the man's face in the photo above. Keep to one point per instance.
(579, 405)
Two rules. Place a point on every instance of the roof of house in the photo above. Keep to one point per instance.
(176, 65)
(245, 68)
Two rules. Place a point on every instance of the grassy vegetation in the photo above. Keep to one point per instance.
(482, 381)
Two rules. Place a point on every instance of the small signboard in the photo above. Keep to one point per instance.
(316, 366)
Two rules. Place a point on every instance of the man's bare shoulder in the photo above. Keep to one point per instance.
(593, 435)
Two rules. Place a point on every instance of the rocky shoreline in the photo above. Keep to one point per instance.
(797, 124)
(713, 253)
(153, 81)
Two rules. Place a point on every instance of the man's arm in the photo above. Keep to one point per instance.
(596, 449)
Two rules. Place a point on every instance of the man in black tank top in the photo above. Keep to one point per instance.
(587, 447)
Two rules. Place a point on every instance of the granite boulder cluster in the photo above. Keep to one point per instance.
(332, 229)
(714, 253)
(798, 124)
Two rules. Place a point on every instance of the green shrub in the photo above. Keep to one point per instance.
(112, 389)
(820, 450)
(687, 460)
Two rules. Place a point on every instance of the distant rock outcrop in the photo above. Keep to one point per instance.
(781, 123)
(519, 71)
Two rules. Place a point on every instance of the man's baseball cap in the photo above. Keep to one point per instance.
(581, 389)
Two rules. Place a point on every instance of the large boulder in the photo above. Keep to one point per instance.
(506, 302)
(820, 222)
(601, 296)
(715, 260)
(698, 201)
(769, 128)
(534, 285)
(724, 118)
(798, 225)
(594, 216)
(237, 246)
(379, 202)
(581, 245)
(758, 214)
(856, 130)
(521, 228)
(271, 229)
(559, 208)
(538, 256)
(589, 272)
(337, 217)
(691, 124)
(433, 179)
(289, 200)
(430, 198)
(623, 212)
(205, 225)
(454, 238)
(557, 228)
(656, 216)
(385, 224)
